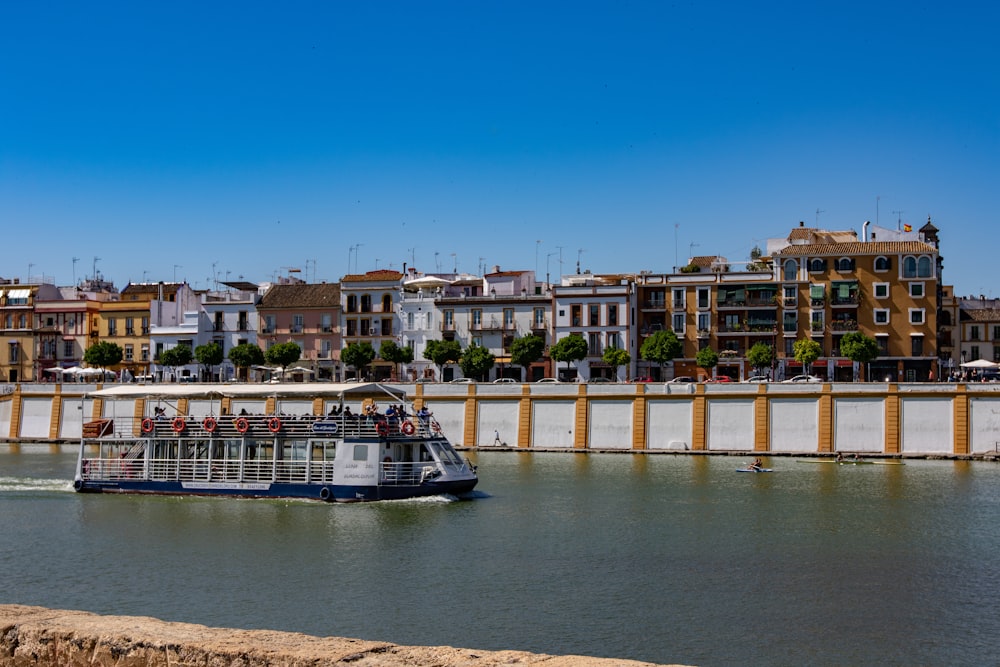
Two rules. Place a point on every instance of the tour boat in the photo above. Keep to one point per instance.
(300, 440)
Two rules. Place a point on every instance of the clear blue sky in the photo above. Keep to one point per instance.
(165, 137)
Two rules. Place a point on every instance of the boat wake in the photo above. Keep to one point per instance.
(30, 484)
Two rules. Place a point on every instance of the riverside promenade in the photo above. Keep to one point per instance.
(923, 419)
(36, 636)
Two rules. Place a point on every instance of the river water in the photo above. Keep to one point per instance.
(665, 558)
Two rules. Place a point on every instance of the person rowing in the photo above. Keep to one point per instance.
(756, 466)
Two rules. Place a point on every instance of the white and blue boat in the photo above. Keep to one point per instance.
(310, 441)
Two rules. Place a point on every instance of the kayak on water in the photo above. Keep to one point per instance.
(754, 470)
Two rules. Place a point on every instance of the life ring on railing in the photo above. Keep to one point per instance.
(382, 428)
(146, 425)
(241, 424)
(178, 424)
(407, 428)
(209, 424)
(435, 426)
(273, 424)
(324, 493)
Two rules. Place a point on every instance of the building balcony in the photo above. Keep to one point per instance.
(267, 330)
(447, 326)
(843, 325)
(849, 300)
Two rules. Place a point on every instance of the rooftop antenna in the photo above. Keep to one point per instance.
(30, 265)
(75, 260)
(579, 252)
(537, 243)
(96, 259)
(437, 261)
(899, 220)
(482, 266)
(413, 257)
(215, 279)
(877, 198)
(560, 261)
(676, 226)
(817, 216)
(691, 247)
(176, 266)
(455, 259)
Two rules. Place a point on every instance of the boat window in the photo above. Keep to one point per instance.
(360, 452)
(446, 454)
(294, 450)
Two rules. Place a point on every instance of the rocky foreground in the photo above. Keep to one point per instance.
(57, 638)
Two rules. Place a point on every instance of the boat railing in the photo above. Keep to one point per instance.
(258, 426)
(206, 470)
(409, 473)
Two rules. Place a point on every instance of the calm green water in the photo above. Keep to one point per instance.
(659, 558)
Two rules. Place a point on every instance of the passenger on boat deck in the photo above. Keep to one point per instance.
(159, 413)
(347, 412)
(244, 413)
(334, 411)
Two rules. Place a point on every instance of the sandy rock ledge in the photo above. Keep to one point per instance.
(35, 636)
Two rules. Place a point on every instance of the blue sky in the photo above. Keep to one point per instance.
(224, 139)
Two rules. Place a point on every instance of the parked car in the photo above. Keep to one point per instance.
(642, 379)
(600, 381)
(547, 381)
(681, 379)
(805, 378)
(758, 378)
(720, 378)
(462, 381)
(505, 381)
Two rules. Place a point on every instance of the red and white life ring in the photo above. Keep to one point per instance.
(273, 424)
(178, 424)
(241, 424)
(407, 428)
(209, 424)
(146, 425)
(382, 428)
(435, 426)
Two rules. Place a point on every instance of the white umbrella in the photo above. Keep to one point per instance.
(72, 370)
(426, 281)
(55, 369)
(981, 363)
(86, 372)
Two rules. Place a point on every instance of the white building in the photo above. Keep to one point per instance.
(601, 309)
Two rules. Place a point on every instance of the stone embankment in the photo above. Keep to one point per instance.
(42, 637)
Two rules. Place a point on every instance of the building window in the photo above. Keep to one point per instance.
(612, 314)
(974, 350)
(144, 352)
(112, 327)
(477, 341)
(790, 295)
(880, 290)
(386, 303)
(845, 265)
(539, 318)
(595, 315)
(298, 323)
(816, 265)
(449, 319)
(656, 299)
(704, 298)
(352, 303)
(916, 315)
(15, 352)
(145, 326)
(996, 332)
(924, 267)
(575, 316)
(477, 319)
(409, 320)
(613, 340)
(909, 267)
(882, 264)
(366, 303)
(678, 323)
(352, 327)
(366, 327)
(917, 290)
(129, 352)
(881, 316)
(269, 324)
(508, 318)
(917, 346)
(790, 348)
(386, 326)
(68, 349)
(790, 270)
(883, 345)
(704, 322)
(816, 322)
(219, 319)
(594, 344)
(159, 350)
(974, 333)
(325, 347)
(678, 296)
(790, 321)
(241, 321)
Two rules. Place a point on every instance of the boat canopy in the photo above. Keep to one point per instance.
(297, 389)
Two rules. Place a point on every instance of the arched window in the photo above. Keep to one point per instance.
(909, 267)
(386, 303)
(845, 265)
(817, 265)
(791, 270)
(924, 267)
(882, 264)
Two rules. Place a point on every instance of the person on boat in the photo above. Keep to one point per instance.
(840, 456)
(756, 465)
(424, 414)
(347, 412)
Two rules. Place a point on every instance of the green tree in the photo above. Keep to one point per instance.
(661, 348)
(208, 355)
(179, 355)
(358, 355)
(395, 354)
(441, 352)
(244, 356)
(708, 359)
(858, 347)
(616, 358)
(283, 354)
(569, 349)
(103, 354)
(526, 350)
(476, 362)
(760, 357)
(806, 351)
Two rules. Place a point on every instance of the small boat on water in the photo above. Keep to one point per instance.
(195, 439)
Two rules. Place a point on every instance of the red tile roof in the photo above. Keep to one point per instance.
(321, 295)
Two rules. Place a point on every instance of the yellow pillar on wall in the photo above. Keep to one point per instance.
(961, 427)
(471, 423)
(182, 406)
(892, 425)
(639, 418)
(56, 413)
(15, 413)
(698, 409)
(137, 414)
(97, 411)
(762, 422)
(270, 406)
(524, 420)
(581, 430)
(825, 420)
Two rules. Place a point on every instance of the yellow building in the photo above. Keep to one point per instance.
(18, 354)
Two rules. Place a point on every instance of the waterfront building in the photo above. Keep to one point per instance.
(979, 326)
(63, 326)
(419, 320)
(307, 314)
(19, 356)
(814, 284)
(231, 318)
(368, 314)
(128, 321)
(600, 309)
